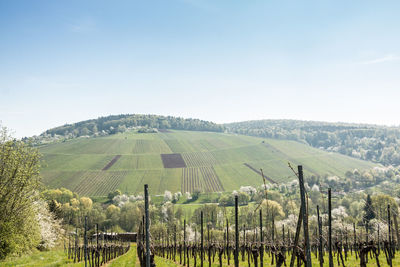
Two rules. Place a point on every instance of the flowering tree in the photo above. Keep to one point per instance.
(19, 184)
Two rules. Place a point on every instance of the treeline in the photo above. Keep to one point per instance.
(119, 123)
(368, 142)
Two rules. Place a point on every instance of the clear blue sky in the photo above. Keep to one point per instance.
(66, 61)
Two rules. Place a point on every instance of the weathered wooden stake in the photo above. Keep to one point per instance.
(261, 241)
(396, 225)
(305, 217)
(355, 239)
(175, 242)
(273, 228)
(146, 210)
(236, 232)
(209, 245)
(85, 242)
(379, 246)
(390, 235)
(202, 240)
(321, 256)
(227, 241)
(184, 242)
(296, 238)
(76, 243)
(330, 227)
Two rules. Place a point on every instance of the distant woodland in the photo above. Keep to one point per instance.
(120, 123)
(368, 142)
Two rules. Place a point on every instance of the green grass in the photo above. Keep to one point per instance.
(59, 258)
(128, 259)
(47, 258)
(77, 164)
(352, 261)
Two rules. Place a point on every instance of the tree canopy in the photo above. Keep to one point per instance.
(119, 123)
(19, 184)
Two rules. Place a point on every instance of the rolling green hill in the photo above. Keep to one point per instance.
(181, 161)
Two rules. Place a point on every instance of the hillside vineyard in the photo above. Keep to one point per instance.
(182, 161)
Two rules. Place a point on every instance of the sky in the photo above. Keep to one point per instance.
(224, 61)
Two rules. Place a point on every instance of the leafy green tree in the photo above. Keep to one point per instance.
(111, 195)
(195, 195)
(19, 184)
(369, 213)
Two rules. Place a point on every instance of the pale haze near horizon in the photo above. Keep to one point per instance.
(224, 61)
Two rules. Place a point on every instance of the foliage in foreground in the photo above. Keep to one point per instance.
(25, 222)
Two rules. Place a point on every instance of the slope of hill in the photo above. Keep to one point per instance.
(181, 161)
(375, 143)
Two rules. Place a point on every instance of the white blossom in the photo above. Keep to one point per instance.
(339, 212)
(167, 196)
(50, 228)
(315, 188)
(251, 191)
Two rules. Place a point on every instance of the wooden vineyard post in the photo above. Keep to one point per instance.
(236, 232)
(184, 242)
(147, 221)
(97, 235)
(379, 246)
(202, 240)
(296, 238)
(330, 227)
(175, 242)
(355, 239)
(244, 241)
(389, 235)
(208, 245)
(227, 241)
(97, 245)
(85, 242)
(69, 245)
(396, 225)
(273, 228)
(305, 217)
(76, 243)
(261, 241)
(321, 255)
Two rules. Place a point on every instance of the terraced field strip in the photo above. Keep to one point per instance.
(190, 180)
(111, 163)
(175, 145)
(257, 171)
(99, 182)
(67, 179)
(211, 180)
(141, 146)
(198, 159)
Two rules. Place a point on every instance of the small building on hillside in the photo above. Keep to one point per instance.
(128, 236)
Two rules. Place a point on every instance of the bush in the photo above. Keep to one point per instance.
(19, 183)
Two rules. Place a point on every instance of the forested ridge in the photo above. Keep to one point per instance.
(368, 142)
(119, 123)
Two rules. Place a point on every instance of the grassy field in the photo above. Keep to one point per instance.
(216, 162)
(59, 258)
